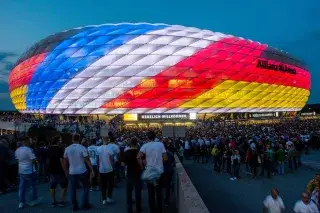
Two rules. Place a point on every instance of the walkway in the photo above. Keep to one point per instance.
(221, 195)
(312, 160)
(8, 202)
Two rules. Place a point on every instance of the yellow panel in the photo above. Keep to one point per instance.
(240, 85)
(226, 85)
(210, 94)
(210, 103)
(223, 103)
(18, 96)
(193, 103)
(261, 87)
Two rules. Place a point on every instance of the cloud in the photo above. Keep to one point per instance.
(7, 60)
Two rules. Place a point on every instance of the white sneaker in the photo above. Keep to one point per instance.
(231, 178)
(21, 205)
(109, 200)
(104, 202)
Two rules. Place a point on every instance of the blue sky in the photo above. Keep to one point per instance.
(292, 25)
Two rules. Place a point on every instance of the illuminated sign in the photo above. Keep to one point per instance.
(308, 113)
(276, 67)
(130, 117)
(164, 117)
(261, 115)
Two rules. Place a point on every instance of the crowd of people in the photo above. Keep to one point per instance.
(145, 155)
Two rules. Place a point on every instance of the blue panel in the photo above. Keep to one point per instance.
(67, 53)
(101, 51)
(102, 40)
(84, 51)
(66, 43)
(43, 86)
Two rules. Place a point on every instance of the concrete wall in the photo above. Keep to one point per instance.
(187, 197)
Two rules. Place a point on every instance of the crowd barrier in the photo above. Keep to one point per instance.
(187, 198)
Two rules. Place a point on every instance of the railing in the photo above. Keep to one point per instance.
(187, 197)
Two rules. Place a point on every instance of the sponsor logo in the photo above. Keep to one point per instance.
(276, 67)
(164, 116)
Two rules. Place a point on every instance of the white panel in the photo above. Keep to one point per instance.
(152, 71)
(113, 93)
(163, 40)
(94, 93)
(137, 111)
(183, 41)
(69, 111)
(128, 60)
(207, 110)
(106, 60)
(180, 33)
(53, 104)
(64, 104)
(142, 39)
(99, 111)
(124, 49)
(83, 111)
(62, 93)
(175, 110)
(201, 44)
(89, 72)
(76, 94)
(97, 103)
(131, 82)
(166, 50)
(58, 111)
(157, 110)
(118, 111)
(192, 110)
(214, 38)
(199, 35)
(187, 51)
(111, 82)
(74, 83)
(91, 83)
(145, 49)
(149, 60)
(160, 32)
(81, 103)
(109, 71)
(48, 111)
(131, 71)
(222, 110)
(170, 60)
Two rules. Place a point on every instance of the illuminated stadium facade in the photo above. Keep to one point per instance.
(155, 68)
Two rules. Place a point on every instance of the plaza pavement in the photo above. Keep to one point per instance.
(221, 195)
(9, 203)
(312, 160)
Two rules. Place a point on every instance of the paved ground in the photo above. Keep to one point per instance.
(8, 202)
(221, 195)
(312, 160)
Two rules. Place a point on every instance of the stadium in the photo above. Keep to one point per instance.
(152, 71)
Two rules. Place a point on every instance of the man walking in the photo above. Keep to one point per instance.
(77, 157)
(105, 159)
(27, 173)
(155, 154)
(129, 158)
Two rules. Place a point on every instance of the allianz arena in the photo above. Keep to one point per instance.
(155, 68)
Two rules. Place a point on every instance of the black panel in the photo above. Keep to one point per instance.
(273, 54)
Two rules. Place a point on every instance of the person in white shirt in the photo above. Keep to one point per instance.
(155, 154)
(93, 156)
(27, 173)
(273, 203)
(305, 205)
(77, 157)
(105, 161)
(115, 150)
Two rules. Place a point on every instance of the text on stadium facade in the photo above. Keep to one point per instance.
(276, 67)
(164, 116)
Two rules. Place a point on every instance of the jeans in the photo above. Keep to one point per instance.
(137, 185)
(25, 180)
(281, 168)
(106, 182)
(74, 180)
(236, 169)
(155, 197)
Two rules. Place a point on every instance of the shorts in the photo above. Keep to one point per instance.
(56, 179)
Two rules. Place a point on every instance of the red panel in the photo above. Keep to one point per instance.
(22, 73)
(207, 68)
